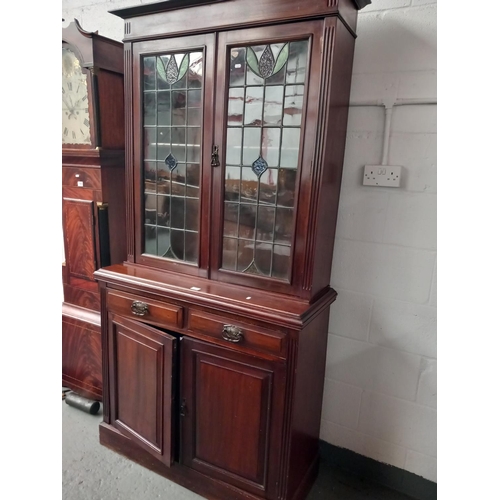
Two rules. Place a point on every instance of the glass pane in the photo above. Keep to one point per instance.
(172, 86)
(179, 108)
(297, 62)
(229, 253)
(194, 75)
(286, 187)
(150, 177)
(253, 106)
(192, 214)
(265, 103)
(150, 143)
(149, 73)
(177, 244)
(178, 177)
(265, 224)
(273, 105)
(191, 246)
(150, 240)
(163, 210)
(251, 145)
(290, 148)
(192, 176)
(193, 144)
(248, 215)
(268, 187)
(164, 143)
(245, 255)
(150, 209)
(249, 185)
(233, 151)
(235, 106)
(294, 100)
(194, 116)
(237, 67)
(284, 226)
(271, 145)
(149, 109)
(232, 189)
(163, 240)
(281, 261)
(164, 114)
(231, 219)
(263, 256)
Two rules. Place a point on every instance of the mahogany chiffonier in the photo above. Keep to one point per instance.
(214, 328)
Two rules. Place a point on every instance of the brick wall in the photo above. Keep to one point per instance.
(380, 388)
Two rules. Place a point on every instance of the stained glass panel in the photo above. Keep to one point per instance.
(264, 122)
(172, 103)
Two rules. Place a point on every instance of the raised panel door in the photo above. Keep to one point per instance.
(231, 414)
(141, 402)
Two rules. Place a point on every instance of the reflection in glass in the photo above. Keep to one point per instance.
(264, 120)
(235, 106)
(253, 106)
(172, 118)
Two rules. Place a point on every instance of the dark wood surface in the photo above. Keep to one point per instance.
(81, 351)
(141, 385)
(248, 374)
(92, 175)
(228, 14)
(232, 417)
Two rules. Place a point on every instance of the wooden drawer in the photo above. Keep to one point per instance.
(89, 178)
(150, 311)
(237, 334)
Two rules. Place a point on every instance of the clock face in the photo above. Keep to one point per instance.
(75, 103)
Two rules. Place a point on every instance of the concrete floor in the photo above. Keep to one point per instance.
(93, 472)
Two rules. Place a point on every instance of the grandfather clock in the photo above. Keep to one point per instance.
(93, 196)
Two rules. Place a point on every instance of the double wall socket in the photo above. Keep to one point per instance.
(382, 175)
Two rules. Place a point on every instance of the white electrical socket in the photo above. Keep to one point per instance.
(382, 175)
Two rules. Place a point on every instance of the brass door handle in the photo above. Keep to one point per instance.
(232, 333)
(139, 308)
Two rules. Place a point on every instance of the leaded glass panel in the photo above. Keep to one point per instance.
(264, 122)
(172, 103)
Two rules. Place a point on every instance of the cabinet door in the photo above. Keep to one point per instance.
(266, 116)
(231, 416)
(141, 380)
(173, 100)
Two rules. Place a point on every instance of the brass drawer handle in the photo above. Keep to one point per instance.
(232, 333)
(139, 308)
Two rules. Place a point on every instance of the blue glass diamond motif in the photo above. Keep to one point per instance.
(259, 166)
(171, 162)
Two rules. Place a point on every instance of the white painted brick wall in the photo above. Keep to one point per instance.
(380, 388)
(385, 251)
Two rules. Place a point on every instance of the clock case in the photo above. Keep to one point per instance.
(93, 204)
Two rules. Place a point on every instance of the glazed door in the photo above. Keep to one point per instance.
(173, 122)
(141, 385)
(231, 416)
(265, 121)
